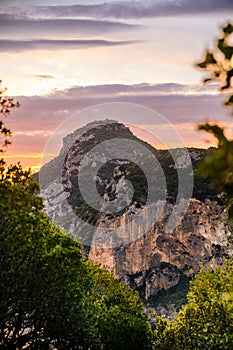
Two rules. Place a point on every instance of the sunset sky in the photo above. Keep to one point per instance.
(59, 57)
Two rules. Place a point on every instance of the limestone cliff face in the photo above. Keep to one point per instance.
(158, 260)
(153, 260)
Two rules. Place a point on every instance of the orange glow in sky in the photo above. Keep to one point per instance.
(58, 61)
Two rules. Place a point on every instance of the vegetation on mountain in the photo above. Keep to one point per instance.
(177, 295)
(50, 171)
(206, 321)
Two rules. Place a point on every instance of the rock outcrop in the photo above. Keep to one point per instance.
(157, 262)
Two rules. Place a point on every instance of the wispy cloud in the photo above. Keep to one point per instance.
(23, 45)
(38, 27)
(178, 102)
(44, 76)
(142, 89)
(39, 116)
(123, 10)
(138, 9)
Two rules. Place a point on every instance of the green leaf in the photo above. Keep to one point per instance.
(209, 59)
(228, 29)
(225, 49)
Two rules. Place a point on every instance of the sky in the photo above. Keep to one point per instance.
(60, 57)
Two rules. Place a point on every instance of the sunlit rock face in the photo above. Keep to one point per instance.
(157, 262)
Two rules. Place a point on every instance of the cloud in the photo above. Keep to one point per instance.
(39, 116)
(24, 45)
(138, 9)
(36, 27)
(142, 89)
(177, 102)
(44, 76)
(47, 16)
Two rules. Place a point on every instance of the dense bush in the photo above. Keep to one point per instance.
(206, 321)
(49, 294)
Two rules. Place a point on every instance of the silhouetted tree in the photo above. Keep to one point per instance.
(218, 165)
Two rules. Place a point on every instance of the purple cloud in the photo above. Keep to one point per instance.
(138, 9)
(23, 45)
(40, 115)
(29, 27)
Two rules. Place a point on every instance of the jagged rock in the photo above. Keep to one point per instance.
(156, 262)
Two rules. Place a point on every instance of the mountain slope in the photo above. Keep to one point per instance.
(159, 264)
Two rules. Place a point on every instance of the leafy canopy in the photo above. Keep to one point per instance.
(206, 321)
(218, 165)
(50, 296)
(6, 105)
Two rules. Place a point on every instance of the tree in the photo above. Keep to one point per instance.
(122, 321)
(45, 282)
(6, 105)
(206, 321)
(50, 296)
(218, 165)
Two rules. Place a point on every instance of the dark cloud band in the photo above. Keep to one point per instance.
(25, 45)
(11, 24)
(139, 9)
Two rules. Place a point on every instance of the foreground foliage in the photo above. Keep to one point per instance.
(218, 165)
(6, 105)
(51, 296)
(206, 321)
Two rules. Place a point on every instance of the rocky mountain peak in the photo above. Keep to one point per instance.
(112, 165)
